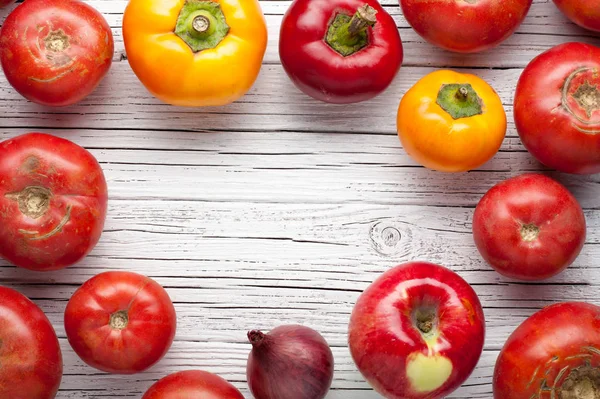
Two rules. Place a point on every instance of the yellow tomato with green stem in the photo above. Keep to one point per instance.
(195, 52)
(451, 122)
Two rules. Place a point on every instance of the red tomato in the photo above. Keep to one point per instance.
(55, 52)
(554, 354)
(529, 227)
(330, 64)
(120, 322)
(192, 384)
(465, 26)
(52, 199)
(557, 108)
(4, 3)
(585, 13)
(29, 351)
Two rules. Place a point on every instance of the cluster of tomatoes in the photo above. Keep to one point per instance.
(417, 332)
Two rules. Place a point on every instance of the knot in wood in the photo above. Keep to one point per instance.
(386, 239)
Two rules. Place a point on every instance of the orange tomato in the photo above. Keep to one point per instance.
(451, 122)
(195, 52)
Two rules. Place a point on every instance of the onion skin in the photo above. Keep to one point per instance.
(290, 362)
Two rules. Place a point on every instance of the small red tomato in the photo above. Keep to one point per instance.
(417, 332)
(340, 51)
(585, 13)
(465, 26)
(30, 357)
(554, 354)
(192, 384)
(529, 227)
(557, 108)
(55, 52)
(120, 322)
(52, 202)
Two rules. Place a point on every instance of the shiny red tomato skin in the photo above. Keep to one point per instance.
(55, 52)
(192, 384)
(148, 332)
(585, 13)
(535, 200)
(76, 208)
(322, 73)
(552, 125)
(564, 336)
(382, 335)
(465, 26)
(29, 352)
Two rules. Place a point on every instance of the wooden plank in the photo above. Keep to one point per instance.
(274, 104)
(298, 168)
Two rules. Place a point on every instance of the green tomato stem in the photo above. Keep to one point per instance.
(459, 100)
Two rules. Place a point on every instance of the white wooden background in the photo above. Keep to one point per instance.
(278, 209)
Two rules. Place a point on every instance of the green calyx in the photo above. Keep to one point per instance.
(459, 100)
(348, 35)
(201, 25)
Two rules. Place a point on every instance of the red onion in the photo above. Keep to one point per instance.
(290, 362)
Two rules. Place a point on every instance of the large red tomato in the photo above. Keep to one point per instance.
(30, 358)
(557, 108)
(52, 202)
(585, 13)
(120, 322)
(465, 26)
(554, 354)
(55, 52)
(529, 227)
(192, 384)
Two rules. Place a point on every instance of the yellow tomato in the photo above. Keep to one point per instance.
(451, 122)
(195, 52)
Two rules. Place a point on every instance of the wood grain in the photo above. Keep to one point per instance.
(278, 209)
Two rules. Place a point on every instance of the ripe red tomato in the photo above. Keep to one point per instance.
(192, 384)
(55, 52)
(120, 322)
(529, 227)
(465, 26)
(557, 108)
(585, 13)
(554, 354)
(53, 200)
(30, 357)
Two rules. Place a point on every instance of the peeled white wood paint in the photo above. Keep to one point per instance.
(271, 210)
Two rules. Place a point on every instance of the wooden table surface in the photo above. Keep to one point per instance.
(279, 209)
